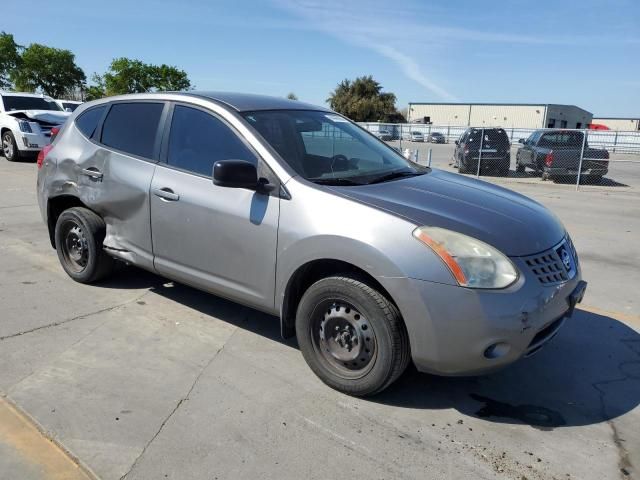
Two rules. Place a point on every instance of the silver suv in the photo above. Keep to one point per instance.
(370, 260)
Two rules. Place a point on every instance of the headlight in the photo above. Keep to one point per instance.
(24, 126)
(473, 263)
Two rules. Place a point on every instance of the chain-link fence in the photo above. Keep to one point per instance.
(578, 157)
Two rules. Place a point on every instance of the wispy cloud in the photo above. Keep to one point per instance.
(412, 70)
(389, 27)
(361, 25)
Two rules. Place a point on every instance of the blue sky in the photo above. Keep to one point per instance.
(577, 52)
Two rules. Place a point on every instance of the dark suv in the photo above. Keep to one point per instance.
(489, 146)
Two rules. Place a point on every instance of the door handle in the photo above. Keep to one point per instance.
(166, 194)
(92, 172)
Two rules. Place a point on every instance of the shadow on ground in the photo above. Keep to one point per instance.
(588, 374)
(566, 180)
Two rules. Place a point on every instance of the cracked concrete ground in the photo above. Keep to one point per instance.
(141, 378)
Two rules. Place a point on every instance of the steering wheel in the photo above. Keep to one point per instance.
(339, 161)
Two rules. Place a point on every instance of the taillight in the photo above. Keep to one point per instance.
(54, 132)
(43, 153)
(548, 160)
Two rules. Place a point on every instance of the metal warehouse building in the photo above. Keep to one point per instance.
(522, 115)
(618, 123)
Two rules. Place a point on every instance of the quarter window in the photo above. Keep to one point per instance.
(132, 127)
(88, 121)
(199, 139)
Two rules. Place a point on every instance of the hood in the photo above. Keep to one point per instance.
(513, 223)
(47, 116)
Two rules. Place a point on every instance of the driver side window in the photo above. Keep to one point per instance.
(199, 139)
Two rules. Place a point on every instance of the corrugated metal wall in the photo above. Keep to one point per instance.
(623, 124)
(506, 116)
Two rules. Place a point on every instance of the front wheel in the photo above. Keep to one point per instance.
(79, 234)
(9, 147)
(352, 336)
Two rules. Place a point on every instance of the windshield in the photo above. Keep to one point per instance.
(327, 148)
(29, 103)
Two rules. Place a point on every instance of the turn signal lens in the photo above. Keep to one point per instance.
(472, 263)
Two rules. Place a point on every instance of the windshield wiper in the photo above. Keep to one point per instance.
(394, 175)
(334, 181)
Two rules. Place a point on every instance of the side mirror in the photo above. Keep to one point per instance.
(521, 140)
(235, 174)
(457, 142)
(68, 109)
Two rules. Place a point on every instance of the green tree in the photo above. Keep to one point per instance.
(170, 79)
(95, 91)
(362, 100)
(126, 75)
(51, 70)
(9, 58)
(292, 96)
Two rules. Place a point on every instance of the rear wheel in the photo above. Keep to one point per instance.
(594, 179)
(78, 236)
(9, 147)
(463, 167)
(352, 336)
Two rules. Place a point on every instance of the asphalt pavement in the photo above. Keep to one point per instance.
(143, 378)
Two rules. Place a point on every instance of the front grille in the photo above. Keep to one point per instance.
(547, 267)
(556, 265)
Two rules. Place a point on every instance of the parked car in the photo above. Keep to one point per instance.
(68, 105)
(370, 260)
(26, 121)
(385, 135)
(495, 155)
(414, 136)
(436, 137)
(556, 154)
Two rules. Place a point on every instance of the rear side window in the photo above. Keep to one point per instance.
(562, 139)
(132, 127)
(88, 121)
(198, 140)
(70, 106)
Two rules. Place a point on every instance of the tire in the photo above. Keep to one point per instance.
(593, 179)
(369, 346)
(10, 147)
(462, 167)
(79, 235)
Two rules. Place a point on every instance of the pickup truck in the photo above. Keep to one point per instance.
(26, 122)
(556, 154)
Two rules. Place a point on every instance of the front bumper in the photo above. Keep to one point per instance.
(461, 331)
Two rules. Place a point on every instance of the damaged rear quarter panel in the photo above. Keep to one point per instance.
(120, 197)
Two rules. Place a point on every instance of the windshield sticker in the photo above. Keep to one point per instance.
(336, 118)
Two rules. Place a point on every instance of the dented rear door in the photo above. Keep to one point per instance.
(115, 178)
